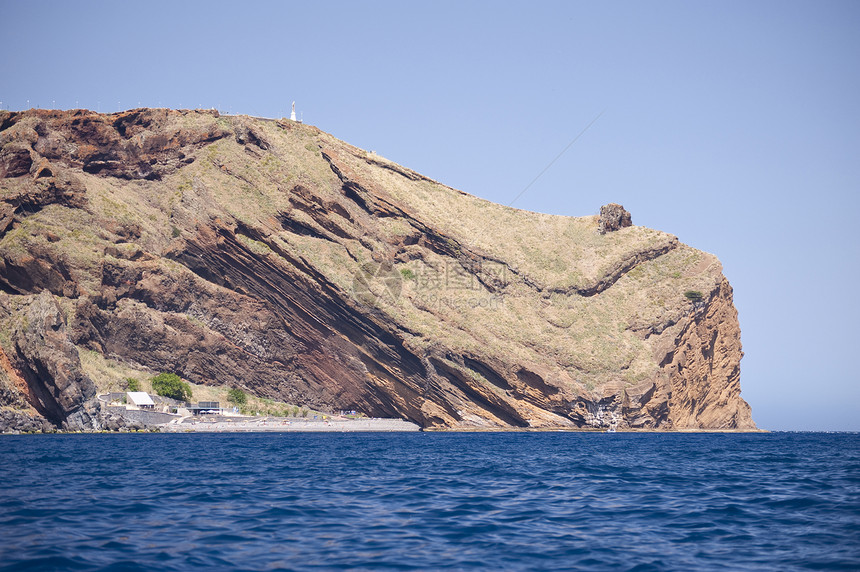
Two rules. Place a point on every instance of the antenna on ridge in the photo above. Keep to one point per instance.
(293, 112)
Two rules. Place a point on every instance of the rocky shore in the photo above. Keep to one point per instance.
(274, 424)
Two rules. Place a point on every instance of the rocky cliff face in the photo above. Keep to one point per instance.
(44, 380)
(270, 256)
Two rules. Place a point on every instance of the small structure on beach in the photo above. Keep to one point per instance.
(206, 407)
(139, 400)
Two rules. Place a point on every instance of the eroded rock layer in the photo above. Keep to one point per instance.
(269, 256)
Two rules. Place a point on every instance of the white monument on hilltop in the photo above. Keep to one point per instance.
(293, 113)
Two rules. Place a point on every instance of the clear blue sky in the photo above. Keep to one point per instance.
(733, 124)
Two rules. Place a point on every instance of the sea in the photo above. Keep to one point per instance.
(430, 501)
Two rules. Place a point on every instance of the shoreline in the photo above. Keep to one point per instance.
(281, 425)
(580, 430)
(370, 426)
(338, 424)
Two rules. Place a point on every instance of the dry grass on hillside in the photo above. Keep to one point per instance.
(538, 257)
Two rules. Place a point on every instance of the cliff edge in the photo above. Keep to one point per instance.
(269, 256)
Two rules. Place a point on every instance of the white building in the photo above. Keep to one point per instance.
(139, 400)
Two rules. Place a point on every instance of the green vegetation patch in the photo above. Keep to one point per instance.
(693, 295)
(255, 246)
(171, 385)
(237, 396)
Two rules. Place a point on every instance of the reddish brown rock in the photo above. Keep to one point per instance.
(231, 251)
(703, 368)
(49, 363)
(613, 217)
(15, 160)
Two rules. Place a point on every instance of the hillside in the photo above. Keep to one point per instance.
(270, 256)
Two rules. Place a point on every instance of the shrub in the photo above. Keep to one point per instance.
(132, 384)
(407, 273)
(170, 385)
(693, 295)
(237, 396)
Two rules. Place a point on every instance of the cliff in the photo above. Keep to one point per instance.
(270, 256)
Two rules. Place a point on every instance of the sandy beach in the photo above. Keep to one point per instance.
(258, 424)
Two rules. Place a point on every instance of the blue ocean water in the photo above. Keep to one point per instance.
(428, 501)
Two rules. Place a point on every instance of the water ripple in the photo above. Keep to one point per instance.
(514, 501)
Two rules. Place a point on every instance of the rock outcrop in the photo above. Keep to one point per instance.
(270, 256)
(115, 422)
(613, 217)
(49, 363)
(12, 421)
